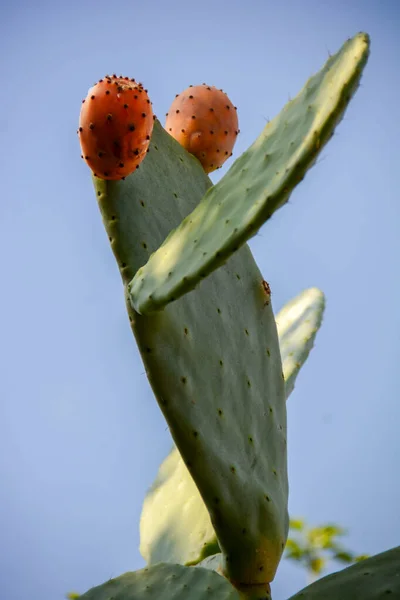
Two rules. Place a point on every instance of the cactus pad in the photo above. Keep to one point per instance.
(375, 578)
(175, 525)
(223, 397)
(258, 183)
(298, 323)
(165, 582)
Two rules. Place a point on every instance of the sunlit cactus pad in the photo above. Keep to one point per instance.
(258, 183)
(298, 323)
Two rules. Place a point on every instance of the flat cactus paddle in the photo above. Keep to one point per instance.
(298, 323)
(165, 582)
(258, 183)
(214, 364)
(175, 525)
(374, 578)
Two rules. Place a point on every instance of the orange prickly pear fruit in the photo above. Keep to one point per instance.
(205, 122)
(115, 126)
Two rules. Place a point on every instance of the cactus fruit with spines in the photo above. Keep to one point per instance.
(115, 127)
(202, 317)
(205, 122)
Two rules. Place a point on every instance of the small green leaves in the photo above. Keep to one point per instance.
(315, 546)
(296, 524)
(257, 184)
(374, 578)
(165, 582)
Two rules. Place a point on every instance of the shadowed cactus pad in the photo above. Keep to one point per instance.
(375, 578)
(175, 525)
(257, 184)
(165, 582)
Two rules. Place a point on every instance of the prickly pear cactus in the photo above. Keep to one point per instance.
(212, 356)
(229, 394)
(375, 578)
(175, 525)
(165, 582)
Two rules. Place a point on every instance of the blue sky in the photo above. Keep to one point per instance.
(82, 436)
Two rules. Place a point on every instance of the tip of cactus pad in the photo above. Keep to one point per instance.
(257, 184)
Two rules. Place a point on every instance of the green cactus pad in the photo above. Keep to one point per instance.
(375, 578)
(175, 525)
(165, 582)
(258, 183)
(246, 592)
(214, 364)
(298, 323)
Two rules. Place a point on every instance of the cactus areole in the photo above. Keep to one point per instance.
(205, 122)
(115, 127)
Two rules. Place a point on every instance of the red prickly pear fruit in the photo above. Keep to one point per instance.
(115, 127)
(205, 122)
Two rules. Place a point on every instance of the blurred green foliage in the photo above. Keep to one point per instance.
(314, 547)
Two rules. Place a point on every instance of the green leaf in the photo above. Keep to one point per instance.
(317, 564)
(294, 550)
(344, 556)
(361, 557)
(322, 537)
(296, 524)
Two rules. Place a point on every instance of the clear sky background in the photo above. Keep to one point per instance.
(81, 434)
